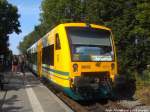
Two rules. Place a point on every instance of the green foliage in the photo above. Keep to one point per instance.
(129, 20)
(8, 23)
(130, 25)
(143, 79)
(32, 37)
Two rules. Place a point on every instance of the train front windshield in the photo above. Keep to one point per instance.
(90, 44)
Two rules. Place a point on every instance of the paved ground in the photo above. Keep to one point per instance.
(28, 95)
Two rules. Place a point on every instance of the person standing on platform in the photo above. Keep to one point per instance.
(14, 64)
(22, 65)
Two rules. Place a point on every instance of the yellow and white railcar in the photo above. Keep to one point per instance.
(80, 58)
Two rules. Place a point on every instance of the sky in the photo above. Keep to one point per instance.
(30, 15)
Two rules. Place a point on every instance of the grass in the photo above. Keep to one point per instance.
(143, 87)
(143, 94)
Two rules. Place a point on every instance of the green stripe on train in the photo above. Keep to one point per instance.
(67, 90)
(55, 71)
(44, 73)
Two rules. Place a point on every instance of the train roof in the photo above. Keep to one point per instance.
(33, 48)
(70, 25)
(84, 25)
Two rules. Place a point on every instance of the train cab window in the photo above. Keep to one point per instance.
(57, 45)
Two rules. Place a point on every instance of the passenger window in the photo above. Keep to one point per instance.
(57, 45)
(48, 55)
(52, 55)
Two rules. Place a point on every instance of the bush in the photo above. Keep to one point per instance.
(143, 79)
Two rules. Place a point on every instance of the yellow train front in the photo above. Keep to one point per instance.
(78, 58)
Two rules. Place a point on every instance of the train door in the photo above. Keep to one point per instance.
(39, 59)
(57, 52)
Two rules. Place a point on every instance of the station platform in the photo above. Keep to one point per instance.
(28, 95)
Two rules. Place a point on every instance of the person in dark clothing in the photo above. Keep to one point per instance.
(14, 64)
(1, 81)
(22, 64)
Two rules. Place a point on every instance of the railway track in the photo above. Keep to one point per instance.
(108, 106)
(113, 106)
(96, 108)
(82, 107)
(99, 106)
(88, 106)
(72, 104)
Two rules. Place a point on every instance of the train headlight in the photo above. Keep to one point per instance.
(75, 67)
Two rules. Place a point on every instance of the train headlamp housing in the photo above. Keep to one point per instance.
(75, 67)
(97, 80)
(112, 55)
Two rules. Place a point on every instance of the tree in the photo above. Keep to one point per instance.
(129, 20)
(9, 23)
(131, 25)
